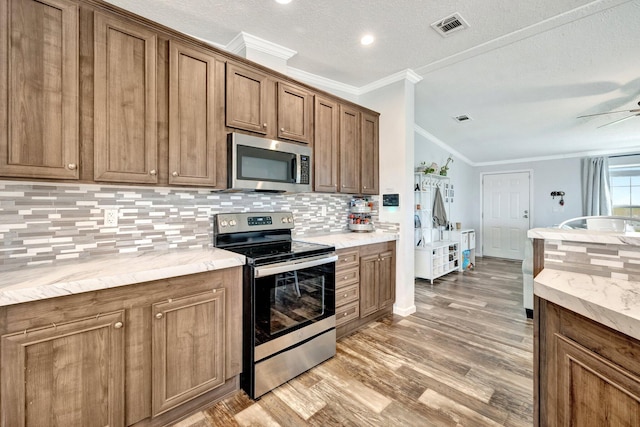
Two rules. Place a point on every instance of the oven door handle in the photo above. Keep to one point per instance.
(283, 267)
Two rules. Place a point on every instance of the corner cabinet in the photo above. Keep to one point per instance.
(125, 126)
(39, 58)
(175, 343)
(585, 374)
(197, 137)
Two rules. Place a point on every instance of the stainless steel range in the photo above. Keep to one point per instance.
(289, 298)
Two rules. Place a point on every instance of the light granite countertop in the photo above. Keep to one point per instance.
(585, 236)
(73, 277)
(348, 239)
(612, 302)
(67, 278)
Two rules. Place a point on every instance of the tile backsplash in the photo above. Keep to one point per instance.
(42, 222)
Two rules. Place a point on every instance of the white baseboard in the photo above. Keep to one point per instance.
(402, 311)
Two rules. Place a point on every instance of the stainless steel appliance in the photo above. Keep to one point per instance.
(260, 164)
(289, 298)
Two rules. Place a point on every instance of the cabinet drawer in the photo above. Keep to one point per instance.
(347, 277)
(347, 313)
(347, 259)
(347, 294)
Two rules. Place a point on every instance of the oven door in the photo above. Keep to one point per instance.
(294, 301)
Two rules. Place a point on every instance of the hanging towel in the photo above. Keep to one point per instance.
(439, 211)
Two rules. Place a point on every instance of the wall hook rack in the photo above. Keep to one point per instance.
(560, 194)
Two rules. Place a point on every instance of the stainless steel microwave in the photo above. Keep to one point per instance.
(260, 164)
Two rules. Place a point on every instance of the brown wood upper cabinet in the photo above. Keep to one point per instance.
(295, 113)
(197, 143)
(39, 89)
(125, 136)
(247, 99)
(326, 145)
(349, 150)
(369, 154)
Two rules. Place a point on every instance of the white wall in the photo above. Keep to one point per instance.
(463, 178)
(395, 103)
(548, 176)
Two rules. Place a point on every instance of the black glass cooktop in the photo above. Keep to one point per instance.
(267, 253)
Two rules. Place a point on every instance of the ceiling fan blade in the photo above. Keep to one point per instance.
(610, 112)
(620, 120)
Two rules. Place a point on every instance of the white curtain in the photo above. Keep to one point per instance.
(596, 192)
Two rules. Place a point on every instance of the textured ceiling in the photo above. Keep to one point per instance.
(523, 70)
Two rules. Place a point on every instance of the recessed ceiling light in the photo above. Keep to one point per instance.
(367, 39)
(284, 1)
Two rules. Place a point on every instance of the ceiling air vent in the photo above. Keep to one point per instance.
(462, 118)
(445, 27)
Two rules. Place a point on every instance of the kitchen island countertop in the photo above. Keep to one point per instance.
(102, 272)
(607, 296)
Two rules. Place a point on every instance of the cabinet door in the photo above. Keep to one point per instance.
(246, 99)
(370, 154)
(39, 91)
(125, 143)
(188, 337)
(369, 285)
(349, 150)
(295, 113)
(386, 276)
(69, 374)
(197, 144)
(326, 145)
(592, 391)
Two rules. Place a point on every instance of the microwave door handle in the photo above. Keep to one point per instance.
(294, 169)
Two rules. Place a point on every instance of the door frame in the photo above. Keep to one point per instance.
(481, 192)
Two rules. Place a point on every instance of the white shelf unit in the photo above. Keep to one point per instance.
(437, 259)
(467, 240)
(437, 252)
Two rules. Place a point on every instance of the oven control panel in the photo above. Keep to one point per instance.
(252, 221)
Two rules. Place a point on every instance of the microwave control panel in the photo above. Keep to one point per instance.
(305, 162)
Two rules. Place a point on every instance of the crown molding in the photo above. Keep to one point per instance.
(316, 80)
(408, 74)
(417, 129)
(245, 40)
(562, 156)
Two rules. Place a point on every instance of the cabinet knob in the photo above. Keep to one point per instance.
(72, 166)
(343, 185)
(159, 316)
(345, 277)
(174, 173)
(117, 325)
(344, 314)
(346, 295)
(365, 187)
(264, 125)
(281, 129)
(153, 172)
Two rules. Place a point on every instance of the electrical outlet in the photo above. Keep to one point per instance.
(111, 217)
(323, 210)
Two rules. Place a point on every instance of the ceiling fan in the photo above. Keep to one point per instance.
(635, 111)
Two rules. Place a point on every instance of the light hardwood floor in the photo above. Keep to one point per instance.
(463, 359)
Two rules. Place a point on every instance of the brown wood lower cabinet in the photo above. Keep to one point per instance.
(144, 354)
(365, 285)
(586, 374)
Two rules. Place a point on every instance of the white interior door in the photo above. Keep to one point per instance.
(505, 214)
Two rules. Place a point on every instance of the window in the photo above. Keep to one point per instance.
(625, 189)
